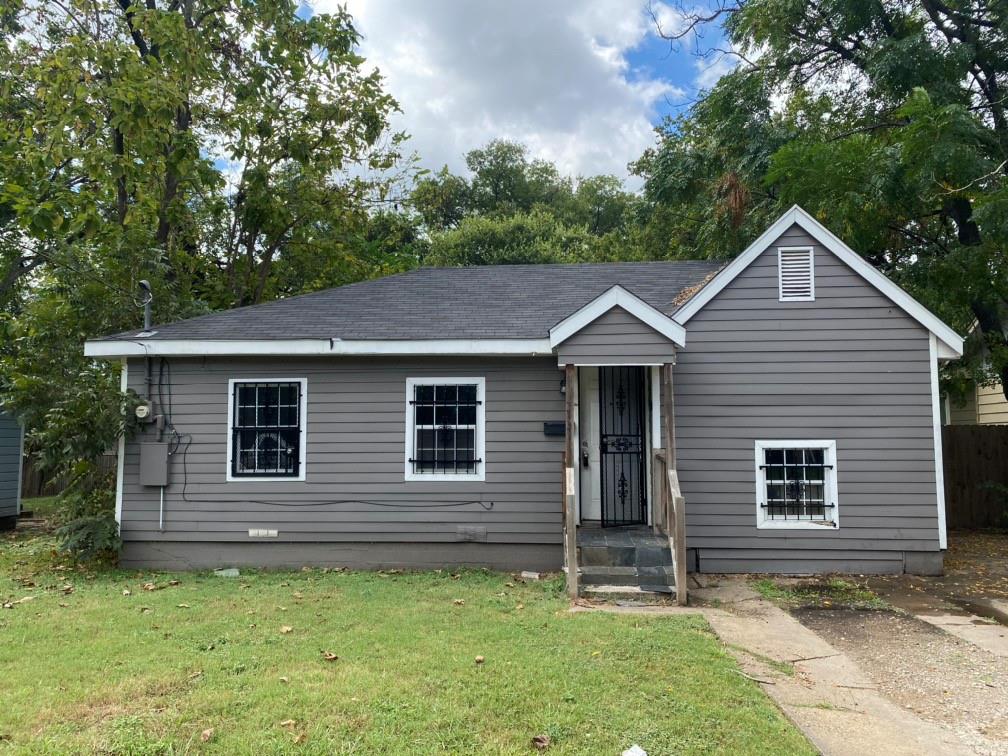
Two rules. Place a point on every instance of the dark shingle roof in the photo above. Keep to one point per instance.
(484, 302)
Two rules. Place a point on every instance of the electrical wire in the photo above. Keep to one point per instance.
(187, 438)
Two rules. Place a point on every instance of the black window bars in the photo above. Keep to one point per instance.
(266, 429)
(445, 418)
(796, 485)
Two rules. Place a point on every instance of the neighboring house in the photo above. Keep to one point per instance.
(419, 420)
(983, 405)
(11, 453)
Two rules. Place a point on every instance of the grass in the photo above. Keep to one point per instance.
(821, 593)
(97, 663)
(45, 507)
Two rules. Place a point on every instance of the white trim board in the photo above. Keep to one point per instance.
(121, 451)
(831, 485)
(938, 459)
(949, 339)
(617, 296)
(302, 441)
(314, 347)
(480, 474)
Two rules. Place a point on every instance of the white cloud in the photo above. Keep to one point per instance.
(552, 75)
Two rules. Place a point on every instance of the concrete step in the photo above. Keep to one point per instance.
(628, 593)
(625, 556)
(595, 575)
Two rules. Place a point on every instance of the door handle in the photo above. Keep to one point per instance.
(584, 454)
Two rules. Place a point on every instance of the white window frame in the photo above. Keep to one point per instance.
(780, 274)
(831, 488)
(480, 383)
(302, 442)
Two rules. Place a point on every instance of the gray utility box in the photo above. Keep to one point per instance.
(154, 463)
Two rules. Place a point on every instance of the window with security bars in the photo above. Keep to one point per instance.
(446, 420)
(266, 426)
(797, 484)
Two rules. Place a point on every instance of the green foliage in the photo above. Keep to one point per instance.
(535, 237)
(886, 121)
(90, 538)
(228, 152)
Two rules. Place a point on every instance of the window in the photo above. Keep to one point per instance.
(796, 274)
(444, 429)
(266, 429)
(796, 484)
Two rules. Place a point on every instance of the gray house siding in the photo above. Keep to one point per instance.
(850, 367)
(354, 507)
(615, 338)
(10, 470)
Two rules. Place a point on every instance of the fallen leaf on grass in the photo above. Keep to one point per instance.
(207, 734)
(541, 742)
(298, 594)
(197, 674)
(288, 723)
(509, 585)
(127, 592)
(184, 606)
(480, 660)
(67, 589)
(459, 602)
(285, 679)
(12, 604)
(286, 629)
(300, 738)
(150, 586)
(519, 607)
(174, 582)
(329, 656)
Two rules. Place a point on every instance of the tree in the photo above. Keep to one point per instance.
(535, 237)
(886, 120)
(228, 152)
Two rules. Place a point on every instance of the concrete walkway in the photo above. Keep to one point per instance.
(975, 620)
(818, 688)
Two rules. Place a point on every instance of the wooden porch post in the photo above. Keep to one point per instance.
(570, 480)
(676, 512)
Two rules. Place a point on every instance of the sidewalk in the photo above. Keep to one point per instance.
(819, 688)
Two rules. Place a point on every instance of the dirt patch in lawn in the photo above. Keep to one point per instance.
(934, 674)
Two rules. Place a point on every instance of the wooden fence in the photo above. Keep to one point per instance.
(976, 476)
(35, 482)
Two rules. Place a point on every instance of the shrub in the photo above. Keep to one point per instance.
(89, 530)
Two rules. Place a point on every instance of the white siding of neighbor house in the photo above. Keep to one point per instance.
(849, 366)
(992, 409)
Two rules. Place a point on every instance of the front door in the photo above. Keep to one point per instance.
(622, 417)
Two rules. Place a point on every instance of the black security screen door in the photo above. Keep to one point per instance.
(622, 412)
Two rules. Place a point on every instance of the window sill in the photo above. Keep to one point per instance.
(444, 477)
(797, 525)
(265, 479)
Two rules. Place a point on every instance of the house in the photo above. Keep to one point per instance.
(531, 415)
(11, 454)
(982, 405)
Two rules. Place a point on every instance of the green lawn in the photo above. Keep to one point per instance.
(221, 665)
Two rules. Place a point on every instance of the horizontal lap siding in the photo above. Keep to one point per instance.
(991, 407)
(615, 338)
(355, 458)
(10, 465)
(848, 366)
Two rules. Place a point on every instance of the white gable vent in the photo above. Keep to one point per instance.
(796, 274)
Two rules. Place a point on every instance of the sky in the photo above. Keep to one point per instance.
(579, 82)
